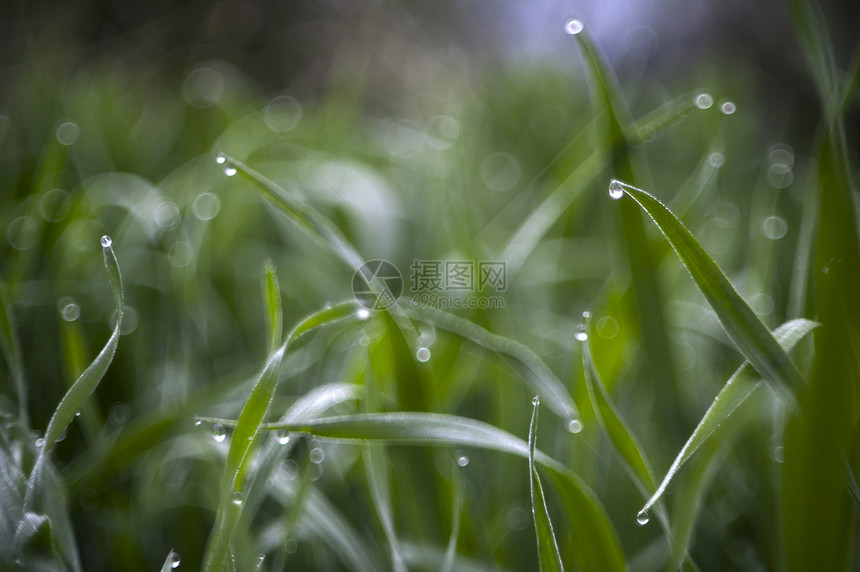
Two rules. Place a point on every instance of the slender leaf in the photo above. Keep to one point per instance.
(246, 431)
(739, 386)
(743, 326)
(274, 312)
(548, 554)
(171, 562)
(11, 348)
(376, 468)
(541, 378)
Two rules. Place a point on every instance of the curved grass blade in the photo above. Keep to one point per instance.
(308, 219)
(595, 542)
(741, 323)
(246, 430)
(547, 547)
(376, 468)
(456, 513)
(75, 397)
(171, 562)
(541, 378)
(274, 311)
(739, 386)
(617, 431)
(11, 348)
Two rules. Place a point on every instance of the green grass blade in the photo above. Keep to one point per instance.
(547, 547)
(246, 430)
(617, 431)
(456, 514)
(540, 378)
(306, 218)
(743, 326)
(595, 542)
(11, 348)
(75, 397)
(376, 467)
(274, 311)
(739, 386)
(171, 562)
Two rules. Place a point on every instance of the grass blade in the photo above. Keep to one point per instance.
(540, 378)
(739, 386)
(75, 397)
(171, 562)
(378, 479)
(595, 542)
(274, 312)
(547, 547)
(308, 219)
(247, 428)
(11, 348)
(741, 323)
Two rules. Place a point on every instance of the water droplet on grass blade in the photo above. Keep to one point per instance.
(777, 454)
(574, 426)
(462, 461)
(642, 518)
(317, 455)
(218, 433)
(728, 107)
(616, 189)
(580, 333)
(716, 159)
(40, 443)
(69, 310)
(198, 422)
(106, 241)
(362, 313)
(220, 158)
(536, 400)
(283, 436)
(174, 560)
(703, 100)
(573, 26)
(237, 498)
(422, 355)
(229, 170)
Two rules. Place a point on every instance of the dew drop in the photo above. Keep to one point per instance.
(283, 436)
(237, 498)
(362, 313)
(642, 518)
(106, 241)
(69, 310)
(220, 158)
(463, 461)
(535, 400)
(422, 354)
(777, 454)
(229, 170)
(716, 159)
(317, 455)
(586, 314)
(574, 426)
(580, 333)
(703, 100)
(40, 442)
(616, 190)
(573, 26)
(174, 560)
(198, 422)
(218, 433)
(728, 107)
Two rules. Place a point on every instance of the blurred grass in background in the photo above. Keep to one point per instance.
(443, 133)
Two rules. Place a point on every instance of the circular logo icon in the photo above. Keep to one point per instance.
(377, 285)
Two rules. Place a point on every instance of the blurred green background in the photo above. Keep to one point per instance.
(427, 132)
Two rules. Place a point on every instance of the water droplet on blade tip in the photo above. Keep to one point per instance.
(535, 400)
(642, 518)
(573, 26)
(229, 171)
(220, 158)
(616, 190)
(106, 241)
(580, 333)
(218, 433)
(422, 354)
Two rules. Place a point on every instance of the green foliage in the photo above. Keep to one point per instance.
(402, 438)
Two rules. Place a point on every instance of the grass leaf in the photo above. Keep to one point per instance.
(548, 554)
(743, 326)
(739, 386)
(247, 428)
(11, 348)
(274, 312)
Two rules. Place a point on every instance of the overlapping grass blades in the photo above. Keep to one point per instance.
(739, 386)
(549, 557)
(744, 327)
(247, 429)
